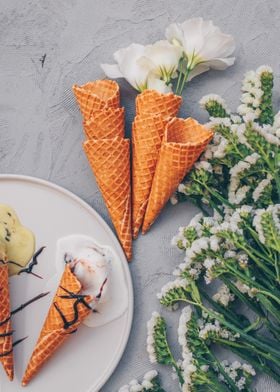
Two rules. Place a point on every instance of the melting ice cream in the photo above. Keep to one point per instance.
(101, 275)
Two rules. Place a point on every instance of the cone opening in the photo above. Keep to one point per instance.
(103, 89)
(187, 131)
(152, 101)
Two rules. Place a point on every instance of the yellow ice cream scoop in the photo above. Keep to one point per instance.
(16, 241)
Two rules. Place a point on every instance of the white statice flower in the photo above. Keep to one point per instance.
(174, 199)
(204, 45)
(238, 372)
(235, 119)
(182, 188)
(221, 151)
(173, 285)
(204, 165)
(264, 69)
(245, 289)
(212, 329)
(150, 375)
(213, 98)
(258, 222)
(140, 71)
(188, 366)
(150, 336)
(261, 187)
(216, 121)
(179, 238)
(223, 296)
(237, 195)
(239, 130)
(267, 132)
(251, 98)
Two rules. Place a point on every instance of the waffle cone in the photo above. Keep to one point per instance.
(183, 142)
(152, 101)
(97, 95)
(6, 342)
(109, 160)
(105, 124)
(54, 333)
(147, 136)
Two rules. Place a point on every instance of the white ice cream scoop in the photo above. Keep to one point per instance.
(100, 273)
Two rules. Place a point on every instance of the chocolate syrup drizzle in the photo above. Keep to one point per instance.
(29, 269)
(2, 355)
(80, 299)
(31, 265)
(18, 309)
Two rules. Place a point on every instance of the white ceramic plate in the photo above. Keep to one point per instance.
(86, 361)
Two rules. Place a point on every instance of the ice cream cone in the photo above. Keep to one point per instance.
(109, 160)
(6, 338)
(154, 102)
(61, 322)
(105, 124)
(97, 95)
(183, 142)
(147, 136)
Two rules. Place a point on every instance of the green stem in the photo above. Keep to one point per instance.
(222, 371)
(250, 339)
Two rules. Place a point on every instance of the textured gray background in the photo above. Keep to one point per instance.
(40, 125)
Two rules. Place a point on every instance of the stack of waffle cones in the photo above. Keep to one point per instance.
(153, 111)
(67, 311)
(108, 151)
(164, 148)
(183, 142)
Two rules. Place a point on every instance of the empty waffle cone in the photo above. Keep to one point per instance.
(6, 339)
(61, 322)
(105, 124)
(152, 101)
(147, 136)
(97, 95)
(183, 142)
(110, 162)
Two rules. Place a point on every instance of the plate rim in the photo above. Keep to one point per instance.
(92, 211)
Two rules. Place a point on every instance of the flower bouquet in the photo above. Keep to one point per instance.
(232, 253)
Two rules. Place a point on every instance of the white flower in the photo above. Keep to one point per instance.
(223, 296)
(149, 376)
(205, 46)
(150, 66)
(261, 187)
(129, 66)
(163, 58)
(213, 98)
(264, 69)
(150, 336)
(204, 165)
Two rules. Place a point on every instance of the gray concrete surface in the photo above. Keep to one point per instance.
(40, 125)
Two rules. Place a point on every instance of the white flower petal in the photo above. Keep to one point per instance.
(159, 85)
(174, 34)
(129, 67)
(221, 64)
(199, 69)
(164, 56)
(203, 42)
